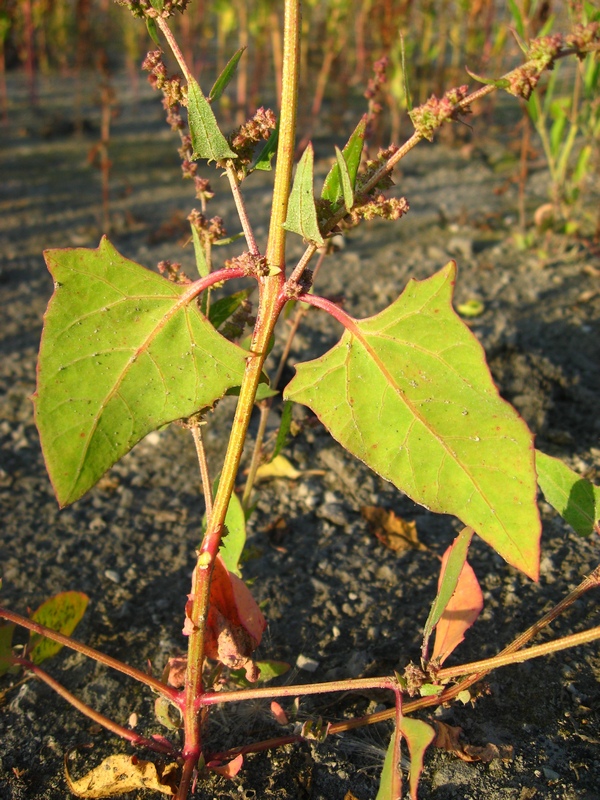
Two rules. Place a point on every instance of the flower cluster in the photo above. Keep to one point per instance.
(375, 84)
(153, 8)
(173, 272)
(432, 114)
(252, 265)
(246, 137)
(385, 207)
(209, 230)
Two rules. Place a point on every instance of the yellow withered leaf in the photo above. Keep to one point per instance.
(121, 773)
(392, 531)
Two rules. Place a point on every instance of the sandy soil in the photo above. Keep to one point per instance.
(331, 591)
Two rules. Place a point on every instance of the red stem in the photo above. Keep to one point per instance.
(67, 641)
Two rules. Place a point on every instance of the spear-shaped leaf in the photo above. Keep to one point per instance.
(576, 499)
(207, 140)
(333, 188)
(408, 392)
(225, 77)
(302, 213)
(61, 613)
(123, 352)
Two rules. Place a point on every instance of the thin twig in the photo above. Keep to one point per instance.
(196, 429)
(241, 209)
(105, 722)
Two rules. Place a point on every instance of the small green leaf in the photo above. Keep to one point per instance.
(347, 190)
(419, 735)
(517, 17)
(265, 156)
(271, 669)
(472, 308)
(284, 428)
(232, 544)
(6, 634)
(332, 187)
(158, 5)
(123, 353)
(225, 77)
(199, 253)
(61, 613)
(408, 392)
(152, 30)
(576, 499)
(581, 166)
(500, 83)
(222, 309)
(207, 140)
(302, 213)
(448, 580)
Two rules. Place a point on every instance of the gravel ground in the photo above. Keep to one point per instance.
(332, 593)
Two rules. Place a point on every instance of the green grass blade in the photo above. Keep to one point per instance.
(408, 392)
(123, 352)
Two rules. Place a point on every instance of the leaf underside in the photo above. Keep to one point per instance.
(123, 352)
(207, 140)
(409, 393)
(302, 213)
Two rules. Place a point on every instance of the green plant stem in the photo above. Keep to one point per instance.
(203, 466)
(102, 658)
(349, 685)
(105, 722)
(241, 209)
(166, 31)
(271, 301)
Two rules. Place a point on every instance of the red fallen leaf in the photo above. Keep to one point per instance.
(229, 770)
(235, 623)
(464, 607)
(176, 671)
(279, 713)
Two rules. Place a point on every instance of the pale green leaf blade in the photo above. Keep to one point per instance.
(419, 735)
(123, 352)
(448, 579)
(332, 187)
(199, 253)
(408, 392)
(225, 77)
(386, 781)
(61, 613)
(284, 429)
(234, 541)
(347, 191)
(575, 498)
(222, 309)
(207, 140)
(302, 213)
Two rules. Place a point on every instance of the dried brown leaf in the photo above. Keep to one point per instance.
(121, 773)
(448, 738)
(394, 532)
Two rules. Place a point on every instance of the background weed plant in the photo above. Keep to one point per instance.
(126, 351)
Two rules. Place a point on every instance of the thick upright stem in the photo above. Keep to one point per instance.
(271, 301)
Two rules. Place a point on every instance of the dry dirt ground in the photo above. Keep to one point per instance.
(331, 591)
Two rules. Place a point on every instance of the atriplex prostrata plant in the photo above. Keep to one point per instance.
(126, 351)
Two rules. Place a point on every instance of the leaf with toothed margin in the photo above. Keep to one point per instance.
(123, 352)
(207, 140)
(408, 391)
(302, 213)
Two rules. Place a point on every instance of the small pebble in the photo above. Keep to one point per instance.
(307, 664)
(112, 575)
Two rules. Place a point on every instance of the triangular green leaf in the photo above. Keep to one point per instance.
(225, 77)
(576, 499)
(388, 773)
(60, 613)
(232, 544)
(123, 352)
(302, 213)
(408, 392)
(153, 30)
(207, 140)
(419, 735)
(332, 187)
